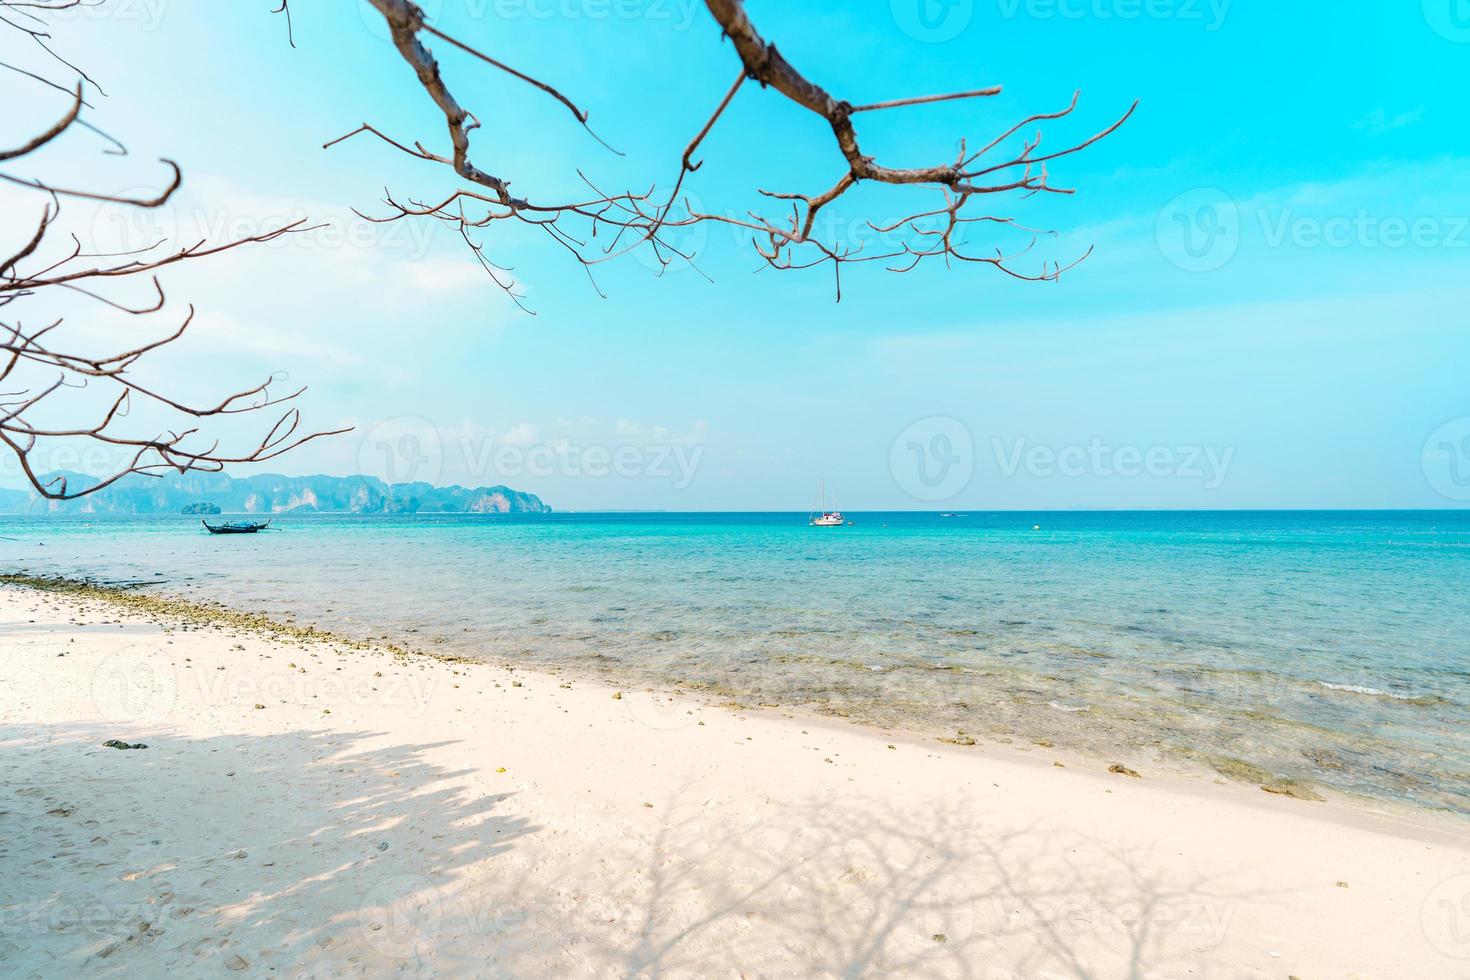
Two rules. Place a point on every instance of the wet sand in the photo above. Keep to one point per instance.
(306, 806)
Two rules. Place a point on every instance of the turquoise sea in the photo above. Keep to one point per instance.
(1327, 646)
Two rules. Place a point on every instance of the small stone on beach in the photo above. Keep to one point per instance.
(1123, 770)
(1294, 789)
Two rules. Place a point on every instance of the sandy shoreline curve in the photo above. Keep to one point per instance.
(308, 805)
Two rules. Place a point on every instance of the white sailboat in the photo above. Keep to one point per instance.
(821, 517)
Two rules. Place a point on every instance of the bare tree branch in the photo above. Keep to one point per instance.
(792, 241)
(41, 373)
(285, 8)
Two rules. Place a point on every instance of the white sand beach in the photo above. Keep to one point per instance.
(312, 809)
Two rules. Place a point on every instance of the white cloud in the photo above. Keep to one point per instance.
(1379, 121)
(524, 434)
(446, 275)
(661, 433)
(222, 333)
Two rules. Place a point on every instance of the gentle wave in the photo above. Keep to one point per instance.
(1373, 692)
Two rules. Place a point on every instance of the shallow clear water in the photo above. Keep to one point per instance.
(1329, 646)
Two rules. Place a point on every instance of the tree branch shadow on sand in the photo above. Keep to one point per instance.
(849, 888)
(105, 879)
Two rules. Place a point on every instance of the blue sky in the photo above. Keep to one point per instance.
(1305, 346)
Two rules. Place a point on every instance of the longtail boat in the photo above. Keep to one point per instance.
(236, 527)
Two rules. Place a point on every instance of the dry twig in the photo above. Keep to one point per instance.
(790, 241)
(40, 371)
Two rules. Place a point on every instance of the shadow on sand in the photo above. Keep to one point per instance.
(296, 851)
(848, 888)
(314, 854)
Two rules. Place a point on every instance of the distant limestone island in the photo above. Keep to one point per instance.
(270, 493)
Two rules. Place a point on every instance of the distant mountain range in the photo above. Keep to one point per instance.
(270, 493)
